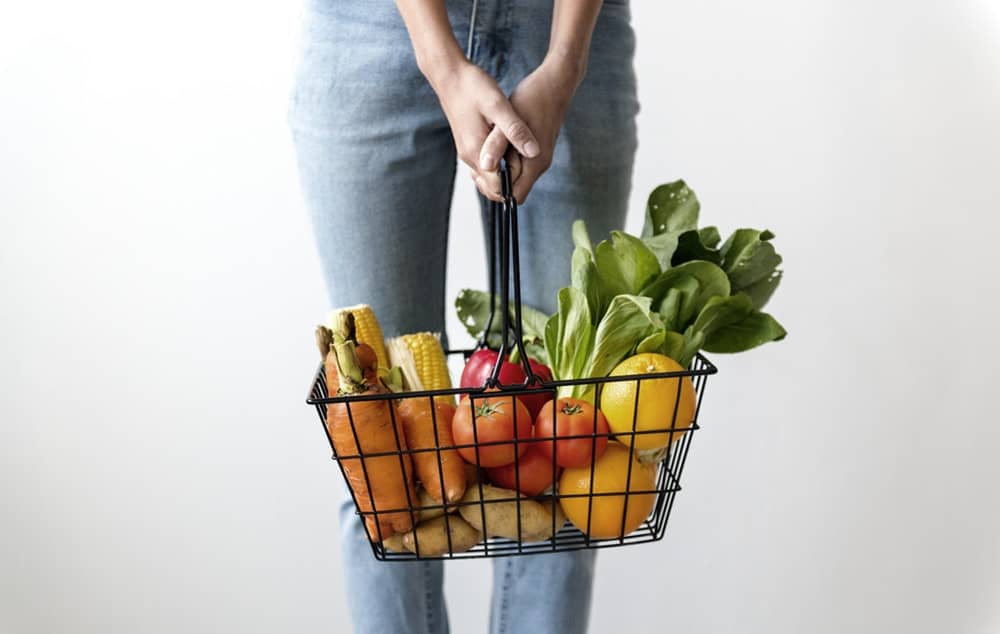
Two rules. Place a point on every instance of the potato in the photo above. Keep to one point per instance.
(560, 518)
(394, 544)
(471, 474)
(432, 537)
(427, 514)
(501, 517)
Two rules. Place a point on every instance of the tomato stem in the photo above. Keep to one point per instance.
(571, 408)
(488, 409)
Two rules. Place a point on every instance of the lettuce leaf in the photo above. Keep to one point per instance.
(625, 264)
(671, 208)
(569, 335)
(629, 321)
(473, 308)
(750, 261)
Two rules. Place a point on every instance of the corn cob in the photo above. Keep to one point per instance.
(421, 358)
(367, 328)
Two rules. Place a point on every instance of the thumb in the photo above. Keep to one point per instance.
(516, 130)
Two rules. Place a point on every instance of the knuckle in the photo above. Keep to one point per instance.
(518, 131)
(467, 153)
(493, 103)
(495, 142)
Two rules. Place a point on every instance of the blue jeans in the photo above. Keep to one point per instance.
(377, 164)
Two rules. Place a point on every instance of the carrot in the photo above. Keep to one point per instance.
(324, 340)
(419, 424)
(360, 428)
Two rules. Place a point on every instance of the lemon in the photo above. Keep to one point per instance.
(665, 404)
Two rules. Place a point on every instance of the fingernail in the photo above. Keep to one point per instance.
(531, 149)
(486, 162)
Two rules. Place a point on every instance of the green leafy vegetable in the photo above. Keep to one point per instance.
(625, 264)
(673, 346)
(473, 308)
(586, 279)
(628, 321)
(652, 343)
(748, 257)
(761, 290)
(691, 245)
(722, 311)
(569, 335)
(680, 293)
(754, 329)
(581, 238)
(671, 208)
(663, 247)
(710, 237)
(674, 291)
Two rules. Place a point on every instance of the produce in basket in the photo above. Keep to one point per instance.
(674, 290)
(608, 514)
(431, 538)
(421, 359)
(535, 402)
(419, 425)
(499, 508)
(394, 543)
(566, 418)
(366, 427)
(533, 471)
(429, 509)
(664, 403)
(367, 329)
(480, 365)
(485, 426)
(422, 362)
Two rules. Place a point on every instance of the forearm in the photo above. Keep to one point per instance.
(434, 44)
(569, 41)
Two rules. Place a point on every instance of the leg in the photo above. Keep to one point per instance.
(542, 593)
(377, 165)
(397, 597)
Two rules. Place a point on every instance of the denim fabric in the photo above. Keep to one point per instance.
(377, 165)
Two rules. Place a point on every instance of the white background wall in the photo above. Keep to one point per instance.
(161, 473)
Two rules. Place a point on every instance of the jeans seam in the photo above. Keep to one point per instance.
(504, 596)
(428, 596)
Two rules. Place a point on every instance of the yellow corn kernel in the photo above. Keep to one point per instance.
(367, 329)
(421, 358)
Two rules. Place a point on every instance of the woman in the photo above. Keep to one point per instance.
(385, 99)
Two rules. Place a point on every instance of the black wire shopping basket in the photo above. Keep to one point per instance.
(623, 496)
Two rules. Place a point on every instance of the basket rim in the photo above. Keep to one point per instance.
(541, 387)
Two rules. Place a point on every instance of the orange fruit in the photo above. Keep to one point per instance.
(611, 475)
(659, 402)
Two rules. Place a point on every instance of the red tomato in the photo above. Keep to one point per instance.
(494, 421)
(534, 473)
(534, 402)
(480, 364)
(574, 417)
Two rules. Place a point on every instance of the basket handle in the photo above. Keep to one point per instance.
(505, 260)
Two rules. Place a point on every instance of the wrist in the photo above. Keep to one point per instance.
(568, 64)
(440, 63)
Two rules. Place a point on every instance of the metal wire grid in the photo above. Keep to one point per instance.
(568, 537)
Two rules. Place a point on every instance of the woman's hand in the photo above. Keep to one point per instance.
(476, 108)
(542, 99)
(483, 121)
